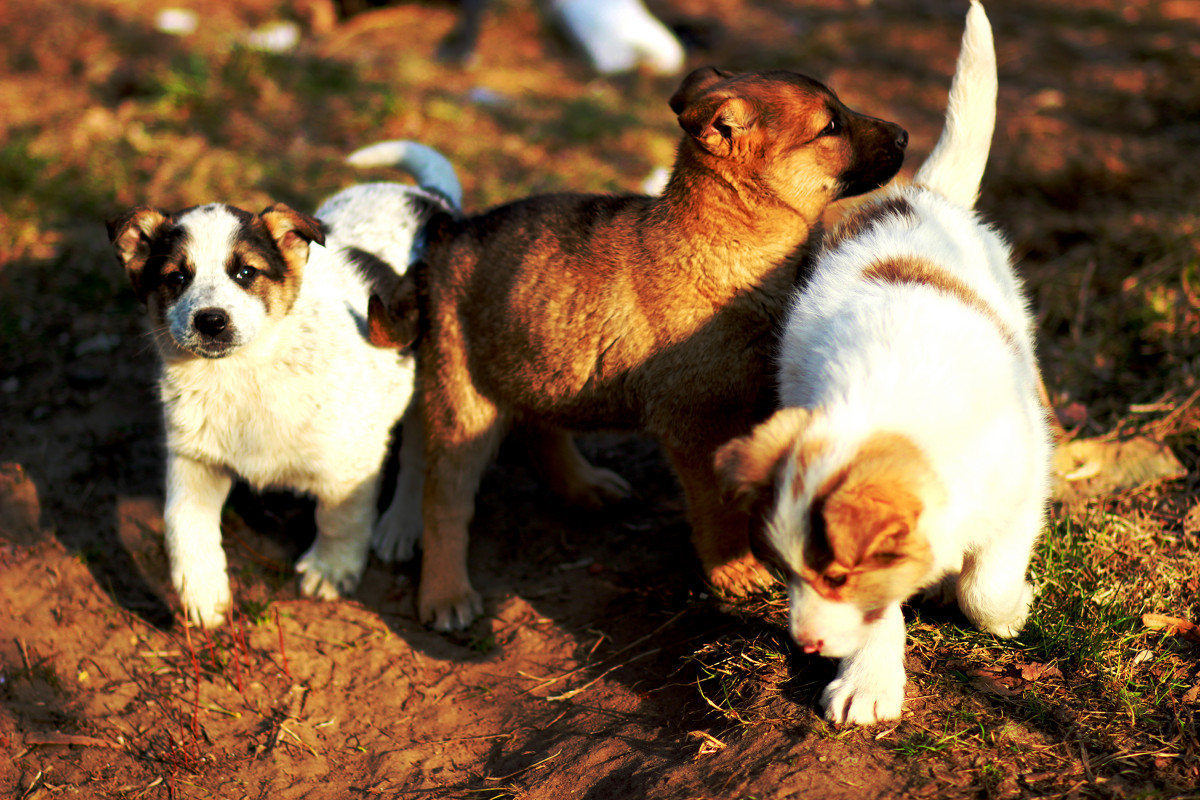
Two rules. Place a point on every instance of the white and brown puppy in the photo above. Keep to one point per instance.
(912, 445)
(268, 372)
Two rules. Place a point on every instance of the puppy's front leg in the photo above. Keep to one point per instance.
(333, 565)
(195, 494)
(720, 530)
(568, 473)
(869, 686)
(459, 442)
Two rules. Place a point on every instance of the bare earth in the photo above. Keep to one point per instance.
(603, 667)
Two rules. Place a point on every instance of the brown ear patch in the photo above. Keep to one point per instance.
(747, 465)
(865, 544)
(132, 235)
(395, 321)
(292, 231)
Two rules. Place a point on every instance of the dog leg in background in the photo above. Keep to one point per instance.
(195, 494)
(455, 464)
(399, 527)
(992, 590)
(869, 686)
(720, 529)
(334, 563)
(570, 475)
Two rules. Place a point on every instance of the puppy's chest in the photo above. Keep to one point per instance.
(262, 424)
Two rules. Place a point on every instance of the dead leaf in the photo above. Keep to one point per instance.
(1094, 467)
(1172, 626)
(1036, 671)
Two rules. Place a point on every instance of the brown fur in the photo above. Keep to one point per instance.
(863, 540)
(914, 270)
(661, 314)
(861, 219)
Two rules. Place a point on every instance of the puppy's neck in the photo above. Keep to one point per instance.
(738, 227)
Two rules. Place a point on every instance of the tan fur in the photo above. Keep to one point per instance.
(583, 312)
(863, 539)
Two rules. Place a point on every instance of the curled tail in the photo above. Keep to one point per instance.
(955, 167)
(431, 169)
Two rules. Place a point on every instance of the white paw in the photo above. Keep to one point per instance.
(328, 572)
(1010, 625)
(858, 699)
(205, 600)
(397, 532)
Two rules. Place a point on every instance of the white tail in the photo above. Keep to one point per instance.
(955, 167)
(431, 169)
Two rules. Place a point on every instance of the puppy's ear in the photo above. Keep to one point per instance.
(718, 124)
(132, 234)
(394, 319)
(747, 465)
(696, 83)
(292, 232)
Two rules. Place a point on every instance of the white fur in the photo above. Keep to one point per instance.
(892, 358)
(618, 35)
(301, 401)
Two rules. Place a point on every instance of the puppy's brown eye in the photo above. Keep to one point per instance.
(245, 274)
(832, 128)
(835, 581)
(176, 280)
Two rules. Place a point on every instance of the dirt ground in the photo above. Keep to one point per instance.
(603, 668)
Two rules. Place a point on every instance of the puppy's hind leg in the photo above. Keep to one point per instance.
(333, 565)
(567, 472)
(992, 590)
(399, 528)
(195, 494)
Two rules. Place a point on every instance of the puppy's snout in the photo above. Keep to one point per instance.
(211, 322)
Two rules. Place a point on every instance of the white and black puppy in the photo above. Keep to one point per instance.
(912, 445)
(268, 371)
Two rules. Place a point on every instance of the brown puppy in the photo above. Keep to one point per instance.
(577, 312)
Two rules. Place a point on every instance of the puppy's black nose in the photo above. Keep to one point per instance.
(211, 321)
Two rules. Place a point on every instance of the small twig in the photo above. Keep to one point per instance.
(32, 785)
(526, 769)
(282, 651)
(568, 695)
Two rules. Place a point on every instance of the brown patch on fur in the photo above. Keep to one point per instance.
(133, 235)
(865, 217)
(292, 232)
(916, 271)
(652, 313)
(864, 545)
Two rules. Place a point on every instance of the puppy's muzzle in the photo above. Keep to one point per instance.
(879, 148)
(216, 331)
